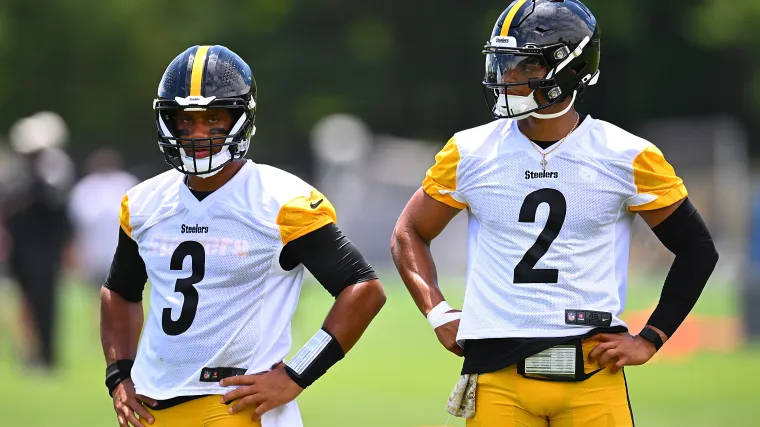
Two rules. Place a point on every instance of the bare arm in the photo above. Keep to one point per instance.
(353, 311)
(655, 217)
(121, 322)
(423, 219)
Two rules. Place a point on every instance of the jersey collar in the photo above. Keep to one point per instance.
(513, 135)
(195, 206)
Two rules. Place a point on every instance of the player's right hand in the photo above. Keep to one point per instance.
(127, 404)
(447, 335)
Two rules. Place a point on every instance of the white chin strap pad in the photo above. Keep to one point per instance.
(514, 105)
(203, 166)
(537, 115)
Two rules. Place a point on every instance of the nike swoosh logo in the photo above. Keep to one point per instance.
(314, 205)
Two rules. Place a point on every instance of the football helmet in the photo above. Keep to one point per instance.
(547, 47)
(200, 78)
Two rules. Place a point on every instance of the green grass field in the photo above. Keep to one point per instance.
(397, 376)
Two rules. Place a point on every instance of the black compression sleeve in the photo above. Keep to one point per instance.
(685, 234)
(128, 275)
(328, 254)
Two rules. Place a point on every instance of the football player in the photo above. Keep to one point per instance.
(224, 242)
(550, 196)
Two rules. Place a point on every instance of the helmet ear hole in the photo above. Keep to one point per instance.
(580, 68)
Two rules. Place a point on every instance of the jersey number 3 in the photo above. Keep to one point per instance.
(524, 270)
(185, 287)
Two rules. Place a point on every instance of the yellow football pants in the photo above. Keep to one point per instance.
(207, 411)
(507, 399)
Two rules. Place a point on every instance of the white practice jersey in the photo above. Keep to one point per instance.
(543, 242)
(219, 297)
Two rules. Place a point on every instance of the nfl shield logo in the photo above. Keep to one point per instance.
(206, 375)
(571, 316)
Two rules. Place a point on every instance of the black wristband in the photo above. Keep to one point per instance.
(117, 372)
(652, 336)
(315, 358)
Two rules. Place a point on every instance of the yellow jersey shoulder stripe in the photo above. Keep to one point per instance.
(303, 215)
(441, 179)
(124, 216)
(654, 176)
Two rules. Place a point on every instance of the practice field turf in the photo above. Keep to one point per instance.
(397, 376)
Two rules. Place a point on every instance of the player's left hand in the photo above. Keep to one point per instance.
(623, 349)
(265, 391)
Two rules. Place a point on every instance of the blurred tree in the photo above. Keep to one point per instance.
(731, 27)
(407, 68)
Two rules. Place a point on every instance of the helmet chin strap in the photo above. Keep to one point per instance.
(218, 159)
(507, 105)
(537, 115)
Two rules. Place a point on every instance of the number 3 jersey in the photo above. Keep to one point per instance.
(547, 246)
(219, 297)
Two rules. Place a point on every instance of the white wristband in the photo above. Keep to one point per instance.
(438, 315)
(310, 351)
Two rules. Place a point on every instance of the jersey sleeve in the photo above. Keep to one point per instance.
(124, 220)
(657, 185)
(330, 256)
(128, 274)
(304, 214)
(441, 179)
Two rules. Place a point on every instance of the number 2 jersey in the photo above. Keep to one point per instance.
(547, 246)
(219, 295)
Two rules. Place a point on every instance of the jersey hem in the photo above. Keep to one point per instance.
(183, 392)
(522, 333)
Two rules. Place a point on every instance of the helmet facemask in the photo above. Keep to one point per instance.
(549, 71)
(180, 151)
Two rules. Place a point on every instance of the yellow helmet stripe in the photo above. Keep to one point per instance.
(197, 74)
(510, 17)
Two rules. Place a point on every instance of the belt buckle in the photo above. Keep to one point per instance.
(556, 363)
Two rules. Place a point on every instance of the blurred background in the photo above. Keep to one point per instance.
(356, 98)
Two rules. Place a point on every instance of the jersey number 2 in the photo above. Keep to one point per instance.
(524, 271)
(185, 287)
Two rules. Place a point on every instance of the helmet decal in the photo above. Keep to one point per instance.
(511, 16)
(196, 75)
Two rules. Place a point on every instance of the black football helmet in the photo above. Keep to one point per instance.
(199, 78)
(550, 46)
